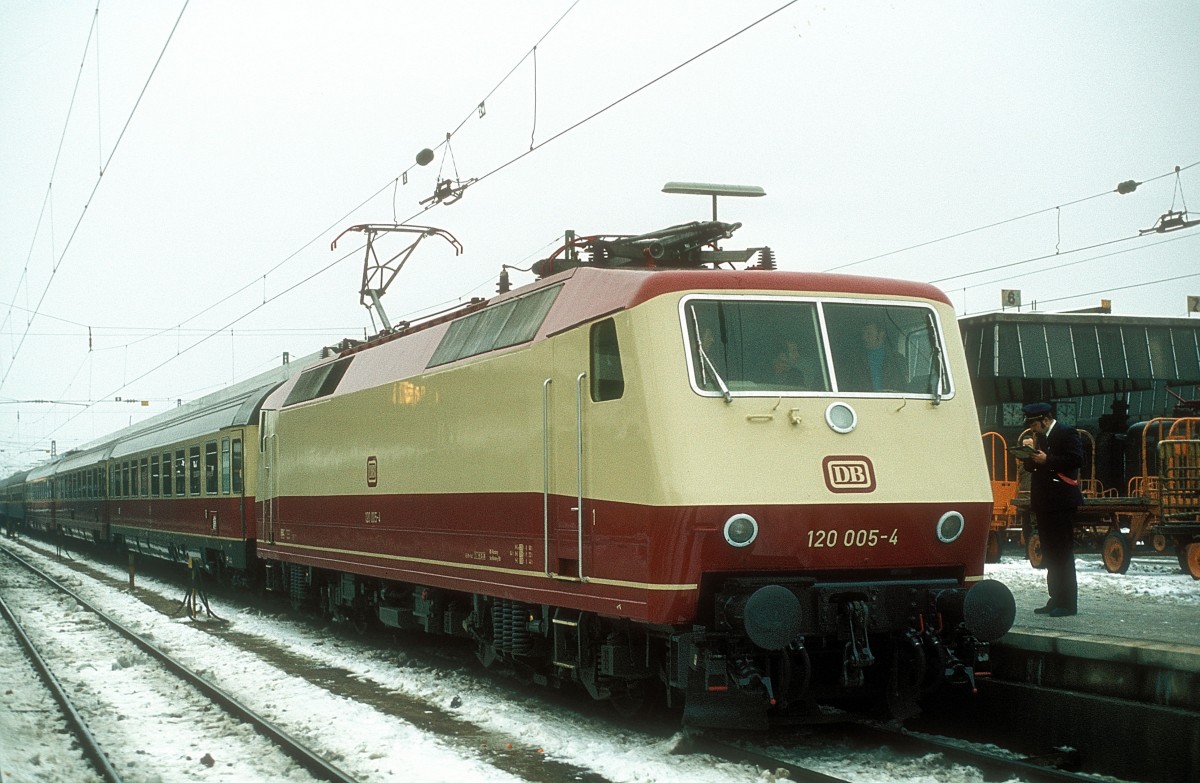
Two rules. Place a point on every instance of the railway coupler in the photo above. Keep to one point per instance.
(857, 657)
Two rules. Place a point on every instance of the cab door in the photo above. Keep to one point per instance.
(587, 370)
(564, 413)
(268, 474)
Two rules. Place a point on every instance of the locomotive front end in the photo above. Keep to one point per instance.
(851, 503)
(777, 649)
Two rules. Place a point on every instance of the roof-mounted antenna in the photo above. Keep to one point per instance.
(378, 276)
(707, 189)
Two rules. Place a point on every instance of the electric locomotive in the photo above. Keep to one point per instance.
(753, 491)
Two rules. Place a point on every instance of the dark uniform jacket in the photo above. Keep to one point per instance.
(1055, 484)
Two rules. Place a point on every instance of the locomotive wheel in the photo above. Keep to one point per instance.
(992, 553)
(1117, 553)
(1159, 542)
(1189, 558)
(1033, 551)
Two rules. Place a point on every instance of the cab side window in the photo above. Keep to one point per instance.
(608, 381)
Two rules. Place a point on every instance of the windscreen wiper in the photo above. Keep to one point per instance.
(705, 361)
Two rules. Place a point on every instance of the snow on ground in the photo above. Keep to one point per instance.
(376, 746)
(1154, 602)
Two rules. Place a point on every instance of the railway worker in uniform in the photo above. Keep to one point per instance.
(1053, 497)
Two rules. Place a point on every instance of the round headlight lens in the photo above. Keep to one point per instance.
(950, 526)
(841, 417)
(740, 530)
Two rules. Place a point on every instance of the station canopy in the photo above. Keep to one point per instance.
(1019, 357)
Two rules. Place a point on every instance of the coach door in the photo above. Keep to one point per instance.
(268, 474)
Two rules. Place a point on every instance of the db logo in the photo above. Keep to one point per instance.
(372, 471)
(849, 473)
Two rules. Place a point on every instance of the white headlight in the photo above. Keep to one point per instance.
(740, 530)
(950, 526)
(841, 417)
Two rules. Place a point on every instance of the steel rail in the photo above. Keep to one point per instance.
(87, 741)
(307, 758)
(990, 763)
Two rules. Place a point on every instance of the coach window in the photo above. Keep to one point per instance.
(210, 467)
(154, 476)
(180, 474)
(194, 470)
(125, 479)
(237, 466)
(114, 481)
(145, 472)
(166, 474)
(608, 382)
(225, 466)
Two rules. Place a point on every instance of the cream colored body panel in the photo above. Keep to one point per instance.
(477, 427)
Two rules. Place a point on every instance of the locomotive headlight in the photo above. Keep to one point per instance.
(841, 417)
(950, 526)
(741, 530)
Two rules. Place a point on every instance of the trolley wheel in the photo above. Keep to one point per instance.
(1159, 542)
(1189, 558)
(1117, 553)
(1033, 551)
(992, 553)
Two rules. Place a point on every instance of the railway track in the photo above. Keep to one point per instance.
(903, 748)
(65, 642)
(336, 665)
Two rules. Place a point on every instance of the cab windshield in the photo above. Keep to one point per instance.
(767, 346)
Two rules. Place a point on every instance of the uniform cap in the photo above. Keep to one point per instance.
(1036, 410)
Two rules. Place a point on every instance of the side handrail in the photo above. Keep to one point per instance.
(579, 466)
(546, 475)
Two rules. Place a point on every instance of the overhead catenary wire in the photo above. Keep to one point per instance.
(629, 95)
(389, 184)
(46, 199)
(1089, 259)
(95, 187)
(1119, 189)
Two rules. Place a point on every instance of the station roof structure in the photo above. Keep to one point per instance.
(1020, 357)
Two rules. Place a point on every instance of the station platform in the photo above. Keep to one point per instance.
(1119, 681)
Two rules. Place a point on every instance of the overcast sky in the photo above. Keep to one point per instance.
(269, 127)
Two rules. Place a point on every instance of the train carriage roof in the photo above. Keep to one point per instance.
(14, 479)
(237, 405)
(74, 460)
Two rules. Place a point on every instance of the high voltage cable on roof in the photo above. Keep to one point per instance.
(83, 213)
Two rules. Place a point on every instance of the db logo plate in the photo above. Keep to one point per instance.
(849, 473)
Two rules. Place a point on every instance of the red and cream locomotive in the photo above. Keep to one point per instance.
(638, 473)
